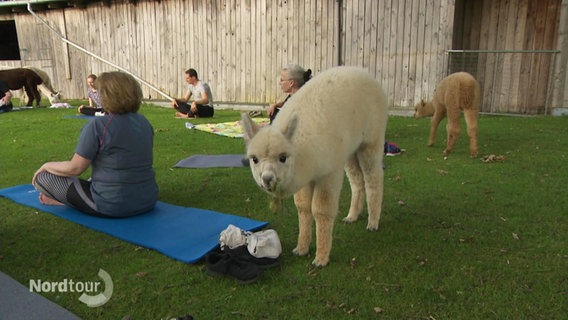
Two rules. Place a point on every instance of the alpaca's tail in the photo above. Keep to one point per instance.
(470, 95)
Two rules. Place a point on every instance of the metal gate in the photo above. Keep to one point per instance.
(512, 81)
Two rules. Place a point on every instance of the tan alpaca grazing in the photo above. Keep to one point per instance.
(455, 93)
(335, 122)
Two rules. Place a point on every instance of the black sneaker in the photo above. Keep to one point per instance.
(242, 253)
(220, 264)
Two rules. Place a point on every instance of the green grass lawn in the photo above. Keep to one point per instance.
(458, 239)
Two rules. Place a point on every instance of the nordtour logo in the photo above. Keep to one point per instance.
(83, 287)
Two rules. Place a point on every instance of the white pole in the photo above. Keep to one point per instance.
(96, 56)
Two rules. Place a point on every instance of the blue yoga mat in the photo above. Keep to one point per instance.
(182, 233)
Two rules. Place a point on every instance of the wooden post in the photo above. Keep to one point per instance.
(559, 82)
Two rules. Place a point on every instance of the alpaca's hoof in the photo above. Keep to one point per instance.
(349, 219)
(300, 252)
(320, 262)
(371, 227)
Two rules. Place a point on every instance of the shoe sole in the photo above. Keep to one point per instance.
(217, 275)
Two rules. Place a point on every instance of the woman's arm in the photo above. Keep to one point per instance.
(273, 107)
(71, 168)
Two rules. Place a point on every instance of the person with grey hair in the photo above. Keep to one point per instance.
(292, 78)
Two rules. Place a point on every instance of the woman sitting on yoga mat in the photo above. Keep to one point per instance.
(95, 104)
(118, 147)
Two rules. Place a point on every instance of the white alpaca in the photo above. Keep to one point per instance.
(336, 120)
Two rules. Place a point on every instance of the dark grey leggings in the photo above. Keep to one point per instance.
(70, 191)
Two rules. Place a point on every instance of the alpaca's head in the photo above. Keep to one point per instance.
(423, 109)
(271, 155)
(55, 97)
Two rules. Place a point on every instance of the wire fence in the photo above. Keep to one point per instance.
(512, 81)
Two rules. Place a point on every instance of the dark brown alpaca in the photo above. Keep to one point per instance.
(19, 78)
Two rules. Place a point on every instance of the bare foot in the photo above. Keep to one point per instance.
(181, 115)
(48, 201)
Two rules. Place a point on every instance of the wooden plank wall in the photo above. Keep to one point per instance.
(511, 82)
(402, 42)
(239, 46)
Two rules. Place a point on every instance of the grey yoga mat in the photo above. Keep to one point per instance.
(211, 161)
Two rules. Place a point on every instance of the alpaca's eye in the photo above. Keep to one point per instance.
(255, 160)
(282, 158)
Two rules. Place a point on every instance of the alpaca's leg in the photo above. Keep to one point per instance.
(436, 118)
(30, 95)
(371, 162)
(324, 208)
(37, 95)
(23, 96)
(357, 184)
(453, 130)
(303, 201)
(471, 121)
(453, 126)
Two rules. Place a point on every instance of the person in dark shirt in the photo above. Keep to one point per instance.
(292, 78)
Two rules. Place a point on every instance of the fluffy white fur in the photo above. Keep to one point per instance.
(336, 121)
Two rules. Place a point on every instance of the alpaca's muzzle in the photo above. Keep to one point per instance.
(268, 182)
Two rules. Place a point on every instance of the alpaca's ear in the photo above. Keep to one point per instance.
(422, 102)
(250, 128)
(290, 130)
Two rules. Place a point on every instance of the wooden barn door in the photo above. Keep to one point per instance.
(510, 47)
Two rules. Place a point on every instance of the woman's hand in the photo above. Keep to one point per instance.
(41, 169)
(71, 168)
(271, 109)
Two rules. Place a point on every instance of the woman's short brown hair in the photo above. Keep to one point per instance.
(120, 92)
